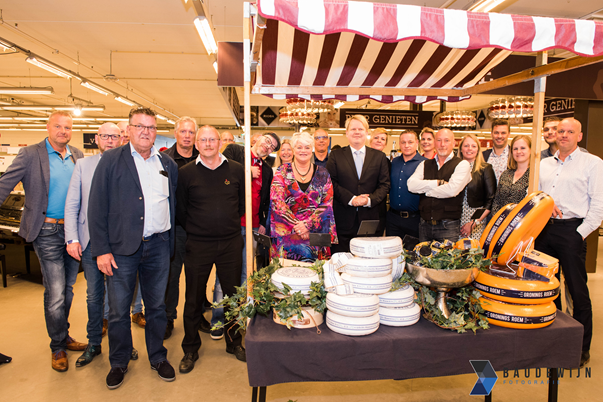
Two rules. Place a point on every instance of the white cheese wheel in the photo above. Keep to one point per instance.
(398, 265)
(376, 247)
(353, 326)
(354, 305)
(297, 278)
(371, 286)
(399, 298)
(294, 263)
(368, 267)
(401, 316)
(310, 319)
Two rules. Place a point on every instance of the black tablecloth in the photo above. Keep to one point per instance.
(277, 355)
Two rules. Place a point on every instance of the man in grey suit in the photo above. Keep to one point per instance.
(45, 170)
(78, 237)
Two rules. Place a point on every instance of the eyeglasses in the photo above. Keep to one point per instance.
(210, 140)
(140, 128)
(107, 136)
(321, 137)
(271, 146)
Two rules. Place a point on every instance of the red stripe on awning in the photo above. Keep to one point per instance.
(298, 58)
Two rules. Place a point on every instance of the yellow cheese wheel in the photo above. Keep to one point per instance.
(492, 227)
(466, 244)
(518, 316)
(525, 221)
(516, 290)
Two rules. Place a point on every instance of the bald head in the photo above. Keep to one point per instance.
(569, 134)
(444, 142)
(125, 137)
(108, 137)
(227, 138)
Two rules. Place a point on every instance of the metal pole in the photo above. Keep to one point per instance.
(247, 131)
(539, 90)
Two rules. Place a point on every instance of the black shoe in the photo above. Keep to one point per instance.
(204, 326)
(90, 353)
(584, 358)
(168, 329)
(187, 364)
(217, 334)
(134, 355)
(116, 377)
(165, 370)
(238, 351)
(5, 359)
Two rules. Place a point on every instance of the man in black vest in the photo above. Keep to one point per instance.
(440, 182)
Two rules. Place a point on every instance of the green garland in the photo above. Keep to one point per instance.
(262, 301)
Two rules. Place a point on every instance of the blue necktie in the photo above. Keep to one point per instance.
(358, 161)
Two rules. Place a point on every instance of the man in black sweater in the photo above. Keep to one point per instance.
(210, 202)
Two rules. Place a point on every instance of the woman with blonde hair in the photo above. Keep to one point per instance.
(379, 138)
(284, 155)
(427, 140)
(480, 191)
(513, 183)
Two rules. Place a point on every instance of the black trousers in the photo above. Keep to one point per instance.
(560, 240)
(344, 238)
(398, 226)
(198, 261)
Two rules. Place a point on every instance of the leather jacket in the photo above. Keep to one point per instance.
(482, 188)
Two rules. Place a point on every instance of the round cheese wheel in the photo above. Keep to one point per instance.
(400, 316)
(520, 316)
(492, 227)
(353, 326)
(398, 265)
(372, 286)
(368, 267)
(354, 305)
(516, 290)
(467, 244)
(525, 221)
(297, 278)
(399, 298)
(376, 247)
(310, 319)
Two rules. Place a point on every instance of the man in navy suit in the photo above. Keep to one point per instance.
(132, 220)
(360, 177)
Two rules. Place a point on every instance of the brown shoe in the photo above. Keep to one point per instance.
(59, 361)
(72, 344)
(105, 327)
(138, 318)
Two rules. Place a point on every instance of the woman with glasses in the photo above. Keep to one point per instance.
(302, 203)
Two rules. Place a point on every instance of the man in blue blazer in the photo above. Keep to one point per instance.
(131, 217)
(45, 170)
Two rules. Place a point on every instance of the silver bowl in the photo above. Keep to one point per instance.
(443, 280)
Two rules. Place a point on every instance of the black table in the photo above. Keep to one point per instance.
(277, 355)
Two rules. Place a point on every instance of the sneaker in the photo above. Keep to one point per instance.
(217, 334)
(139, 319)
(238, 351)
(204, 326)
(165, 370)
(90, 353)
(116, 377)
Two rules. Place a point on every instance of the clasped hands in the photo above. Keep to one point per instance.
(301, 229)
(360, 200)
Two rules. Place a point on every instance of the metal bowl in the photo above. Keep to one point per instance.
(442, 278)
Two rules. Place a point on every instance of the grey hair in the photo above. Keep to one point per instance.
(303, 137)
(185, 119)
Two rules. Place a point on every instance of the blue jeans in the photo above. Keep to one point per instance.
(218, 313)
(94, 297)
(152, 264)
(136, 301)
(173, 290)
(59, 272)
(445, 229)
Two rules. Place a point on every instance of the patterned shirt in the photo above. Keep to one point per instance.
(499, 162)
(509, 192)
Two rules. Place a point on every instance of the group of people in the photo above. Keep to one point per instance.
(135, 216)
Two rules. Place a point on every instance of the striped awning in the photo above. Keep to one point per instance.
(332, 49)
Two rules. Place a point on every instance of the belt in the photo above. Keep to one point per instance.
(52, 220)
(151, 237)
(570, 221)
(433, 222)
(403, 214)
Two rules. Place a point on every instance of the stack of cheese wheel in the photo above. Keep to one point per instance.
(517, 303)
(298, 279)
(398, 309)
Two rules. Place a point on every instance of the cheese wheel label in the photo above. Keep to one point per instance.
(516, 294)
(506, 211)
(520, 320)
(517, 220)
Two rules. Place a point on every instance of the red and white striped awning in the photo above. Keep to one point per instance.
(349, 50)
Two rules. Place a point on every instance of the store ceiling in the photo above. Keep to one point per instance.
(153, 49)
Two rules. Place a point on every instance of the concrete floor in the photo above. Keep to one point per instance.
(218, 376)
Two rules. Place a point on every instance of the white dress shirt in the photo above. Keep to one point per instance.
(155, 190)
(458, 181)
(576, 186)
(361, 155)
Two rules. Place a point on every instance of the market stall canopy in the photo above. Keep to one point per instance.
(349, 50)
